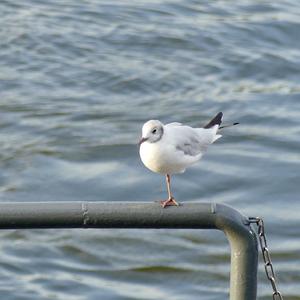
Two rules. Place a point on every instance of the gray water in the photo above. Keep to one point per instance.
(77, 81)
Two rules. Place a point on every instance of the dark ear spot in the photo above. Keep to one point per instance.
(154, 131)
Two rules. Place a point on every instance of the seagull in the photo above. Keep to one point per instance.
(171, 148)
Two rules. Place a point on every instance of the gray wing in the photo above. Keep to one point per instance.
(192, 141)
(191, 147)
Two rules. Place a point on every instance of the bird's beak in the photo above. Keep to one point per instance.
(142, 140)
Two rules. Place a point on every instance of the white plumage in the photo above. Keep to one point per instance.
(179, 147)
(171, 148)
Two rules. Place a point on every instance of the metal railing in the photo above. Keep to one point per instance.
(242, 239)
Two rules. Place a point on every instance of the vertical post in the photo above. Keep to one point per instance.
(244, 253)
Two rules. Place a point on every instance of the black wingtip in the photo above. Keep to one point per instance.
(217, 120)
(225, 126)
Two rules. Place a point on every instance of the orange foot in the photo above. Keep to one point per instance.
(169, 202)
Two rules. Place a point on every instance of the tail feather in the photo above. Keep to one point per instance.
(217, 136)
(217, 120)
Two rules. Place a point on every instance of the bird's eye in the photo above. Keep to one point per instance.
(154, 131)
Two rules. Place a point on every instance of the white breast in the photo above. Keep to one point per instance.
(164, 160)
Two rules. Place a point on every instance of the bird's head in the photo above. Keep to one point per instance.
(152, 131)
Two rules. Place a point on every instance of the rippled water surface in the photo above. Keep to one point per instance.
(77, 81)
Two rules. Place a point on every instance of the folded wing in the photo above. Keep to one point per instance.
(191, 141)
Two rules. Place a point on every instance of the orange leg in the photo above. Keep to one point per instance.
(170, 201)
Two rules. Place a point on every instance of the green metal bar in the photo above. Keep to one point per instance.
(243, 242)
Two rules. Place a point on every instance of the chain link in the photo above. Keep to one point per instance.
(266, 256)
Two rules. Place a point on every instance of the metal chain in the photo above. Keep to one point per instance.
(266, 256)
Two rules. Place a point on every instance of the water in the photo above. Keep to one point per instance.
(77, 81)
